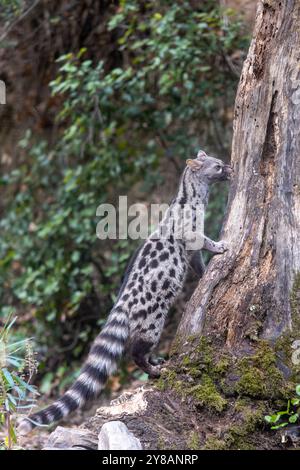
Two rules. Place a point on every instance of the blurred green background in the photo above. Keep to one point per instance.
(103, 99)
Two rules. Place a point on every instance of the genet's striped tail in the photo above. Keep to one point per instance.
(101, 362)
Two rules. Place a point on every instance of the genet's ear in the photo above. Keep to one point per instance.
(201, 154)
(193, 164)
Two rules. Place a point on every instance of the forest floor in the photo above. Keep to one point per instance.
(38, 439)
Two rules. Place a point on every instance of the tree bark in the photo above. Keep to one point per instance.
(248, 290)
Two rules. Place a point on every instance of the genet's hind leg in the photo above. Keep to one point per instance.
(156, 360)
(140, 351)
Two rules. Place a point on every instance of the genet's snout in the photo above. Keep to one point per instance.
(228, 171)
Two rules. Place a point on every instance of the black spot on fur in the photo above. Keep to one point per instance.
(166, 284)
(154, 263)
(152, 326)
(164, 256)
(142, 263)
(159, 315)
(125, 297)
(153, 286)
(147, 249)
(140, 314)
(160, 275)
(153, 254)
(148, 295)
(159, 246)
(172, 272)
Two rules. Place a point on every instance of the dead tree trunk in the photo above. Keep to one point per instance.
(246, 294)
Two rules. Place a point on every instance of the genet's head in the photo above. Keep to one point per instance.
(208, 169)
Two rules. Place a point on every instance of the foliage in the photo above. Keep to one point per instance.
(288, 416)
(10, 9)
(118, 121)
(17, 366)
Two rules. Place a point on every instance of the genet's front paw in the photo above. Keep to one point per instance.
(221, 246)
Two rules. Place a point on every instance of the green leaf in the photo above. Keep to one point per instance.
(12, 399)
(26, 385)
(294, 418)
(282, 425)
(272, 418)
(14, 362)
(8, 377)
(295, 401)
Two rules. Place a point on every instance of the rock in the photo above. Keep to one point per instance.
(71, 438)
(115, 435)
(129, 403)
(112, 421)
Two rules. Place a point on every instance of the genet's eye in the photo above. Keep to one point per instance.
(218, 168)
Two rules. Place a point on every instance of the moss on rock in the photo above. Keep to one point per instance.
(193, 442)
(206, 394)
(260, 376)
(214, 443)
(251, 383)
(242, 435)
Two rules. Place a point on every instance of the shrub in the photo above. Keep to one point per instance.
(17, 367)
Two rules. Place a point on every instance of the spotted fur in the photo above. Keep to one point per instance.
(152, 282)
